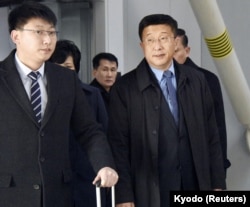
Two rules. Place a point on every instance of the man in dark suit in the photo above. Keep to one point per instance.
(105, 66)
(162, 126)
(181, 55)
(68, 55)
(34, 150)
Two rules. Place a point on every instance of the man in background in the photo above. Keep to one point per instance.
(105, 66)
(181, 55)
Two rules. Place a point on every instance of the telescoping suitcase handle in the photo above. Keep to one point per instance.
(98, 194)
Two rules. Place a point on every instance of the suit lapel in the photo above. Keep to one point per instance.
(11, 79)
(53, 86)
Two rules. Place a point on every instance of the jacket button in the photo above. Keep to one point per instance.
(42, 159)
(178, 167)
(154, 132)
(36, 187)
(156, 108)
(155, 184)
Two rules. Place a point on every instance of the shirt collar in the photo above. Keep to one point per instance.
(25, 70)
(159, 73)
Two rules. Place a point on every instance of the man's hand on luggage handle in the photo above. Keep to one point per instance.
(108, 177)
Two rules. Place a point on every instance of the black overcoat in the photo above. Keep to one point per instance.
(34, 159)
(215, 88)
(134, 126)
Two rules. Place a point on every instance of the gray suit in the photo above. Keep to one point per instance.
(35, 166)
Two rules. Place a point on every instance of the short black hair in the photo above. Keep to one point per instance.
(64, 49)
(182, 33)
(103, 55)
(155, 19)
(21, 14)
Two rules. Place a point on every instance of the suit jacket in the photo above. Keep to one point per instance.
(133, 132)
(34, 160)
(84, 193)
(104, 93)
(97, 103)
(214, 86)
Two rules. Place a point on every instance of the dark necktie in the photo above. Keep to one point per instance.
(35, 95)
(170, 95)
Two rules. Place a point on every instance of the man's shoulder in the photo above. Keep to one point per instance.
(89, 88)
(9, 59)
(53, 67)
(208, 74)
(94, 83)
(188, 70)
(60, 75)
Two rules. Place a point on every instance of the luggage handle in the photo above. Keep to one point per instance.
(98, 194)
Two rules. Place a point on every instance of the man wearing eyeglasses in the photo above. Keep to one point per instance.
(40, 104)
(162, 126)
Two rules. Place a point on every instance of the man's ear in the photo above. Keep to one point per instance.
(141, 45)
(188, 49)
(94, 72)
(14, 35)
(176, 40)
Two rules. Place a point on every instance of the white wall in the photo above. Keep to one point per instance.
(5, 43)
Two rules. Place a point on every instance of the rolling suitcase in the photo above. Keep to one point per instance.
(98, 195)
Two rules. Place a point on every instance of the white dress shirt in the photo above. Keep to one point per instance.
(42, 81)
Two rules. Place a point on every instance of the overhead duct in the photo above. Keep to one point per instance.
(221, 49)
(4, 3)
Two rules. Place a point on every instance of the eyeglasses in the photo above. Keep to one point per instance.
(41, 33)
(150, 41)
